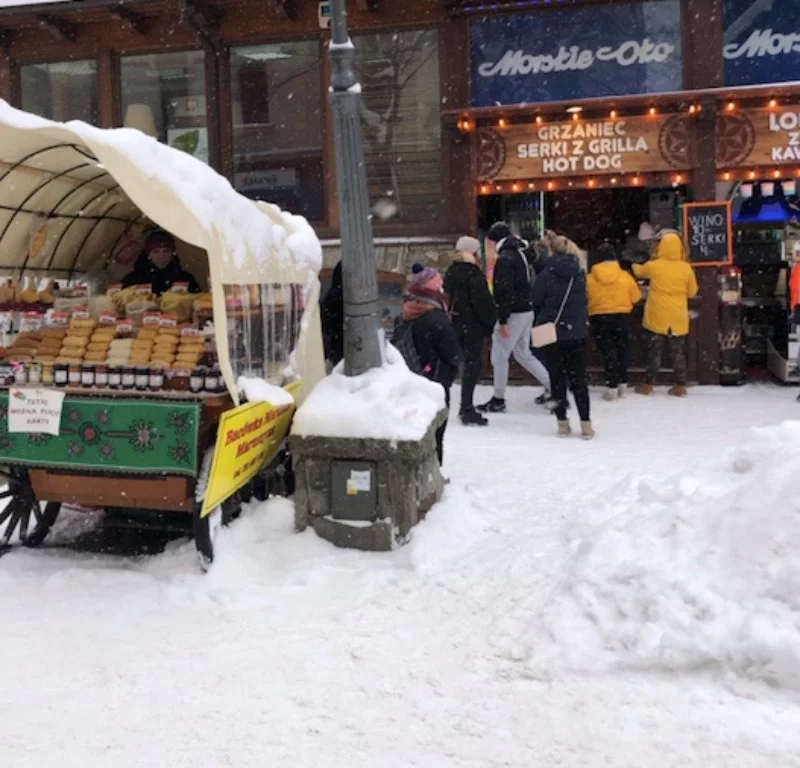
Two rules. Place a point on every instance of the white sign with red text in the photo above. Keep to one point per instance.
(35, 411)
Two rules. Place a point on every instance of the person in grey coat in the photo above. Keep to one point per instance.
(512, 297)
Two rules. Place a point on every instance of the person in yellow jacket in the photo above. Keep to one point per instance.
(613, 294)
(666, 313)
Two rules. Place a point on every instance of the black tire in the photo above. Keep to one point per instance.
(24, 513)
(205, 528)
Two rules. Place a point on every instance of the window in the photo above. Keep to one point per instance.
(277, 125)
(399, 75)
(63, 90)
(164, 94)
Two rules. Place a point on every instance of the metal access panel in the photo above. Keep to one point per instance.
(354, 494)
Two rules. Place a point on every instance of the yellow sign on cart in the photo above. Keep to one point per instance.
(248, 438)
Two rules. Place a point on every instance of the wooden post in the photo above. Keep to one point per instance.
(108, 90)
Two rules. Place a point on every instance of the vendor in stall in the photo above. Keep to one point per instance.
(158, 266)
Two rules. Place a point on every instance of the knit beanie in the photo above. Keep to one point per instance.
(467, 244)
(420, 275)
(498, 231)
(606, 252)
(159, 238)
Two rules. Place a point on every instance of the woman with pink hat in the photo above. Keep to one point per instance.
(426, 337)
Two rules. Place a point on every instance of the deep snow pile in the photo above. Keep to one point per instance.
(386, 403)
(701, 570)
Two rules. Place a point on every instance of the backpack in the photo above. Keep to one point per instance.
(403, 342)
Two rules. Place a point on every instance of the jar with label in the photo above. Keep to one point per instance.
(197, 380)
(20, 374)
(211, 382)
(142, 377)
(128, 377)
(34, 373)
(101, 376)
(156, 380)
(179, 381)
(48, 376)
(87, 375)
(115, 377)
(74, 375)
(6, 375)
(61, 374)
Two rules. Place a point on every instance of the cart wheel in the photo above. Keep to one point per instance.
(24, 514)
(206, 528)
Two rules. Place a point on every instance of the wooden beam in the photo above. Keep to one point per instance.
(289, 8)
(367, 5)
(60, 28)
(131, 20)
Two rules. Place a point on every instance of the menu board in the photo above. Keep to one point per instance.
(707, 229)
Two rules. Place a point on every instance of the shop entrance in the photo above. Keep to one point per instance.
(587, 216)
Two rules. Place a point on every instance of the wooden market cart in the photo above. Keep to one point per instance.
(80, 194)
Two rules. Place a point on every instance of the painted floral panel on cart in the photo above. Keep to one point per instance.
(119, 435)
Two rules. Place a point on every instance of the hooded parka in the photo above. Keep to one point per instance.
(672, 284)
(612, 291)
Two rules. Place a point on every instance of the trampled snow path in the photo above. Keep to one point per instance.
(291, 653)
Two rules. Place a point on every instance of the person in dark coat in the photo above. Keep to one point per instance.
(158, 266)
(513, 275)
(473, 316)
(332, 312)
(563, 284)
(425, 308)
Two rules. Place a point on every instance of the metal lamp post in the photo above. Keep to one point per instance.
(362, 340)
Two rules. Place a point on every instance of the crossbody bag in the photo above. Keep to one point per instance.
(547, 334)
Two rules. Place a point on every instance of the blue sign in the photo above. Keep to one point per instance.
(762, 41)
(577, 53)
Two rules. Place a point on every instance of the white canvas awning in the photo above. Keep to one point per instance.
(85, 189)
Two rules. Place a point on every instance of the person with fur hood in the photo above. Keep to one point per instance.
(513, 276)
(473, 317)
(434, 340)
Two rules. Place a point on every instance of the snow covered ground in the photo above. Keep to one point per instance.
(633, 601)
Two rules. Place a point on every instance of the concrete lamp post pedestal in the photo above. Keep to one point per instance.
(363, 493)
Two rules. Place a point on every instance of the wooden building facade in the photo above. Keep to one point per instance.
(465, 103)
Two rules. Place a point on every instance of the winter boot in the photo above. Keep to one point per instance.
(564, 429)
(644, 389)
(679, 390)
(495, 405)
(472, 418)
(543, 398)
(622, 390)
(611, 394)
(587, 430)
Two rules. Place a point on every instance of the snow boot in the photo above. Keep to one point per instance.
(587, 430)
(679, 390)
(644, 389)
(472, 418)
(564, 429)
(543, 398)
(611, 394)
(495, 405)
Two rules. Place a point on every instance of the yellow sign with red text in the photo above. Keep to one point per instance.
(247, 440)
